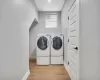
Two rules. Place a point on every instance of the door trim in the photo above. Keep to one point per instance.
(67, 69)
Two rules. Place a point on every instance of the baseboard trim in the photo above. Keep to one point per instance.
(67, 69)
(32, 58)
(26, 75)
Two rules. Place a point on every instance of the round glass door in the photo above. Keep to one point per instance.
(57, 43)
(42, 43)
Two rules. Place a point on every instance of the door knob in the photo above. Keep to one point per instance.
(76, 48)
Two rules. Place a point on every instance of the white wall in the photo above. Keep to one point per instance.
(16, 17)
(40, 28)
(90, 39)
(32, 44)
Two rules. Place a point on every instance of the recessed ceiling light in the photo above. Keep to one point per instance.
(49, 1)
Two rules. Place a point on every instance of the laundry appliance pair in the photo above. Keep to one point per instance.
(49, 49)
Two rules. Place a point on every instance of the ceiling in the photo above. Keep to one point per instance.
(49, 5)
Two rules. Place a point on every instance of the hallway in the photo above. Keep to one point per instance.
(47, 72)
(55, 32)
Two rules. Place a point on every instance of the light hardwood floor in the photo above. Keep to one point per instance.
(52, 72)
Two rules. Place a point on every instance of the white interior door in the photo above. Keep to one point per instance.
(73, 41)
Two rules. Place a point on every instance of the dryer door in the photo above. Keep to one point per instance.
(42, 43)
(57, 43)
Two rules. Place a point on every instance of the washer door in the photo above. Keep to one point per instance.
(42, 43)
(57, 43)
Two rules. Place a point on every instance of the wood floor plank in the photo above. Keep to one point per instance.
(52, 72)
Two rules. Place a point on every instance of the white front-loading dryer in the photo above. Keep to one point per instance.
(43, 49)
(57, 49)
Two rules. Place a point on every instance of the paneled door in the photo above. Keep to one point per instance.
(73, 41)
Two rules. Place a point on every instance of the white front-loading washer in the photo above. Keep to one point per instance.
(57, 49)
(43, 49)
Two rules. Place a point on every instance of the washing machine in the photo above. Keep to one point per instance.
(43, 49)
(57, 49)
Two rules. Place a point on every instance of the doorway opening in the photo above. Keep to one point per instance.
(45, 72)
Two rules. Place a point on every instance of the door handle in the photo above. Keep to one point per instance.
(76, 48)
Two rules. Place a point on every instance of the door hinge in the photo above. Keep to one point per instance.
(68, 17)
(68, 40)
(68, 63)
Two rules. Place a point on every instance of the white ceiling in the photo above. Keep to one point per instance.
(54, 5)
